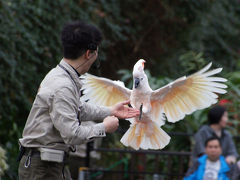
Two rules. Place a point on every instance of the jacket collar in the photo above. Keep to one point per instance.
(72, 72)
(202, 159)
(224, 166)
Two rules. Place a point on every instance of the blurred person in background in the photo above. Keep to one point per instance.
(217, 119)
(210, 166)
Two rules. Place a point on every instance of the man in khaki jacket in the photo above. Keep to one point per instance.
(54, 123)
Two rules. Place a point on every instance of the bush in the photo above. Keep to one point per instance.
(3, 164)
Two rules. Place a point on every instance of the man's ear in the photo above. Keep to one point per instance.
(87, 54)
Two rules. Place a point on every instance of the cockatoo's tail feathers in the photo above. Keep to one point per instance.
(145, 136)
(102, 91)
(186, 95)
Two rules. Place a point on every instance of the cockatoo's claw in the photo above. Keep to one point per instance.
(140, 116)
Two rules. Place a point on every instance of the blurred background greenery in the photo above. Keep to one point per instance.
(175, 37)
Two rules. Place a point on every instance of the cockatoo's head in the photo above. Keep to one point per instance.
(139, 75)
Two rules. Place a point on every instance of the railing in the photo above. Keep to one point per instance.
(129, 167)
(134, 172)
(169, 165)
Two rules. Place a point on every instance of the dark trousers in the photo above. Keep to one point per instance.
(75, 163)
(42, 170)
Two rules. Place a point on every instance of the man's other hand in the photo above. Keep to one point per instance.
(111, 124)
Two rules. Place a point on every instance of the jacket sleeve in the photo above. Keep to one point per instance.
(231, 146)
(64, 112)
(90, 112)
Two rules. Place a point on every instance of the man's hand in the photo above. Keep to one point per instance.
(230, 159)
(122, 112)
(111, 124)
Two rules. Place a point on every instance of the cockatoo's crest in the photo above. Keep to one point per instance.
(138, 68)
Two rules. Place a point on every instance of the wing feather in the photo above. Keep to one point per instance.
(103, 91)
(212, 72)
(205, 68)
(186, 95)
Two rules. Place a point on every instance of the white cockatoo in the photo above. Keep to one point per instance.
(173, 101)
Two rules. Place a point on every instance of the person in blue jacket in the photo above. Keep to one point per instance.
(210, 166)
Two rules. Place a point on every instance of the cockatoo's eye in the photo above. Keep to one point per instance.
(141, 79)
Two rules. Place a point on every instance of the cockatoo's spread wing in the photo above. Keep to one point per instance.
(102, 91)
(187, 94)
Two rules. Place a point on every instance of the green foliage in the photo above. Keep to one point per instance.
(233, 106)
(207, 27)
(3, 164)
(214, 30)
(191, 61)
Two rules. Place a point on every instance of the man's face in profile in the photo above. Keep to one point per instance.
(213, 150)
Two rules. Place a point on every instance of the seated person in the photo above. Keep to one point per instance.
(211, 165)
(217, 118)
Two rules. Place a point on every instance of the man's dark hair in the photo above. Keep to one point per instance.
(215, 114)
(77, 37)
(212, 139)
